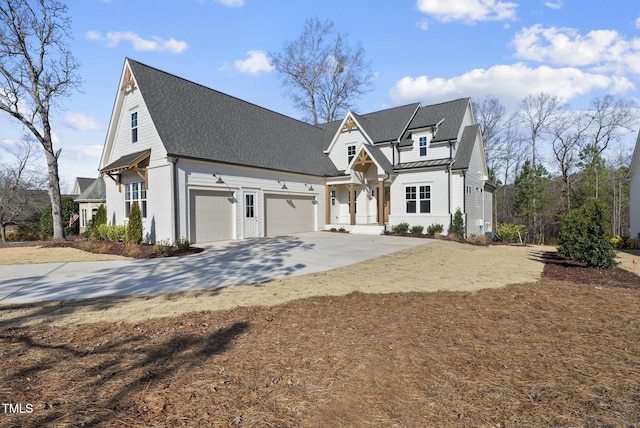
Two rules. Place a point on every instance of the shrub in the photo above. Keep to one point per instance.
(183, 244)
(435, 228)
(617, 242)
(99, 219)
(633, 243)
(134, 226)
(401, 228)
(583, 236)
(69, 207)
(110, 232)
(417, 230)
(457, 225)
(508, 232)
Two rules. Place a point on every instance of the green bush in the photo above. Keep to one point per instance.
(110, 232)
(401, 228)
(99, 219)
(457, 225)
(583, 236)
(417, 230)
(134, 226)
(183, 244)
(508, 232)
(69, 207)
(435, 228)
(633, 243)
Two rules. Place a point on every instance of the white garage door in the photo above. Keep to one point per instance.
(211, 216)
(289, 214)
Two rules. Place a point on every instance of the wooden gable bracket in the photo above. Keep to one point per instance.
(129, 163)
(349, 125)
(117, 181)
(363, 161)
(127, 82)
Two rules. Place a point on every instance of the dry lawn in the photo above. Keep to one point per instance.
(557, 349)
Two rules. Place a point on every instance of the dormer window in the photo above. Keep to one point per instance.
(134, 127)
(422, 144)
(351, 153)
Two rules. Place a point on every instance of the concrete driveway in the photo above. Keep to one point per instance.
(220, 265)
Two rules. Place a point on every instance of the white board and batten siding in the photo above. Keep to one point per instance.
(438, 181)
(274, 210)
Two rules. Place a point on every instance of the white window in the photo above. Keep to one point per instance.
(423, 146)
(83, 217)
(333, 198)
(135, 192)
(134, 127)
(351, 152)
(421, 194)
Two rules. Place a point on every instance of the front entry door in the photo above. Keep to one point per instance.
(250, 216)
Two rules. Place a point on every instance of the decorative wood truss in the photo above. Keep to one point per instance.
(127, 81)
(135, 162)
(349, 125)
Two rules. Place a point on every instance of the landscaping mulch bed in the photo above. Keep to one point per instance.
(142, 251)
(563, 351)
(563, 268)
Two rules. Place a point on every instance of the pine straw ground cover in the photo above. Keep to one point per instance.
(559, 352)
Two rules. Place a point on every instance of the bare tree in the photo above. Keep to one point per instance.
(323, 75)
(20, 174)
(609, 118)
(568, 136)
(36, 69)
(538, 114)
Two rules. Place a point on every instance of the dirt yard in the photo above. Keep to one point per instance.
(430, 336)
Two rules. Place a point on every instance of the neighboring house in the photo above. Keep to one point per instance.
(90, 199)
(633, 176)
(81, 185)
(207, 166)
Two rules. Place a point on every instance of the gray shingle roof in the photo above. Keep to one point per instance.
(96, 192)
(84, 182)
(452, 112)
(465, 147)
(196, 122)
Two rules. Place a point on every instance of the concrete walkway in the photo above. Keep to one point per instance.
(219, 265)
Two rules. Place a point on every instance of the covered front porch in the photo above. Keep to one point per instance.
(359, 201)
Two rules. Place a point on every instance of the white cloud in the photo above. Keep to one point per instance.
(88, 153)
(600, 51)
(423, 24)
(565, 46)
(156, 44)
(469, 11)
(555, 4)
(231, 3)
(510, 83)
(638, 23)
(81, 122)
(256, 63)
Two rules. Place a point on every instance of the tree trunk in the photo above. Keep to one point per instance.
(53, 189)
(3, 232)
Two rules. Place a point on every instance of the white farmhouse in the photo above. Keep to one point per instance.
(206, 166)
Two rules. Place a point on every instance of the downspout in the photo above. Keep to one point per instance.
(449, 167)
(464, 200)
(174, 192)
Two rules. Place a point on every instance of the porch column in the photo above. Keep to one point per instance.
(380, 203)
(327, 204)
(352, 203)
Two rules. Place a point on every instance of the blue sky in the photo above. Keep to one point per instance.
(420, 50)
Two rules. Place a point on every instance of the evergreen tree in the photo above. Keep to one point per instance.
(134, 226)
(457, 226)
